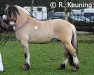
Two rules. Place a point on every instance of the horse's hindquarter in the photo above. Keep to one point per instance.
(62, 29)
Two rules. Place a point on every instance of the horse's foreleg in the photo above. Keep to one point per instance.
(65, 60)
(26, 54)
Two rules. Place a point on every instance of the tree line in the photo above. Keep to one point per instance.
(34, 2)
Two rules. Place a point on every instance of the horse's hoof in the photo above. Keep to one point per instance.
(26, 66)
(75, 67)
(62, 67)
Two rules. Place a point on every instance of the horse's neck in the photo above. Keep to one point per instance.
(21, 19)
(24, 14)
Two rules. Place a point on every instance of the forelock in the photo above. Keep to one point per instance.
(11, 9)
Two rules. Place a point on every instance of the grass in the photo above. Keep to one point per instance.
(45, 59)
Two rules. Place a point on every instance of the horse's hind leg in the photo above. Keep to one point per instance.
(65, 60)
(26, 54)
(74, 55)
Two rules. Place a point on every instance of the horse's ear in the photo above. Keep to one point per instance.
(7, 6)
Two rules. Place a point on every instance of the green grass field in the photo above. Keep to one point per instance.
(45, 59)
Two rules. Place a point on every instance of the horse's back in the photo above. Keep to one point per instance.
(61, 25)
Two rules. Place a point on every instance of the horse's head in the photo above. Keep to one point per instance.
(12, 12)
(16, 15)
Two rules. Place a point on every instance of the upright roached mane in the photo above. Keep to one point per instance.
(29, 29)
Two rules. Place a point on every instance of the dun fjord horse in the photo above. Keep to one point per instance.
(28, 29)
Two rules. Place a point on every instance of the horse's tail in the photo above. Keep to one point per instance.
(74, 44)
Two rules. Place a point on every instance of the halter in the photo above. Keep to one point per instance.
(17, 28)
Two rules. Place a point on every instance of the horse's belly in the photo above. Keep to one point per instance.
(41, 38)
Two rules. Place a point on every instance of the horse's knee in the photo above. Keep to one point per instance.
(24, 43)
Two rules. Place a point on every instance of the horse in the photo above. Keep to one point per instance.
(29, 29)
